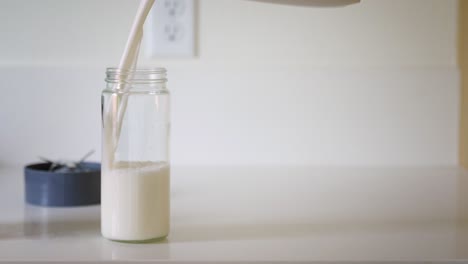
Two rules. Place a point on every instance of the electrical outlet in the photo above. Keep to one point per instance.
(169, 29)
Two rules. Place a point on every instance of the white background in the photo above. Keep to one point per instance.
(370, 84)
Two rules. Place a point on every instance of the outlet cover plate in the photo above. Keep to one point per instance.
(169, 29)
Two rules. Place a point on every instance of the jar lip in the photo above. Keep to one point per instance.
(154, 70)
(136, 76)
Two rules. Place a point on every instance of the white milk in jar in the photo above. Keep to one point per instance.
(135, 201)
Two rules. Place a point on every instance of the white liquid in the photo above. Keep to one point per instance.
(135, 200)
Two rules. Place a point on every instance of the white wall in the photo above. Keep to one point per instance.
(370, 84)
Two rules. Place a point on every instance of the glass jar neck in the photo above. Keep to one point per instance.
(153, 79)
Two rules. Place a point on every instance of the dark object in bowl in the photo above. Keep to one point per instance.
(63, 188)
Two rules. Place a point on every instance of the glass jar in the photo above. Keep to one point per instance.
(135, 169)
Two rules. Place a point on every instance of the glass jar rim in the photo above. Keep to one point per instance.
(137, 75)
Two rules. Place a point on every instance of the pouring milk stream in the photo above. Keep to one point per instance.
(134, 194)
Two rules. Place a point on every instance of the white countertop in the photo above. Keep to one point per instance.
(263, 213)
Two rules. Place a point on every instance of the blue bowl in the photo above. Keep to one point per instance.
(49, 188)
